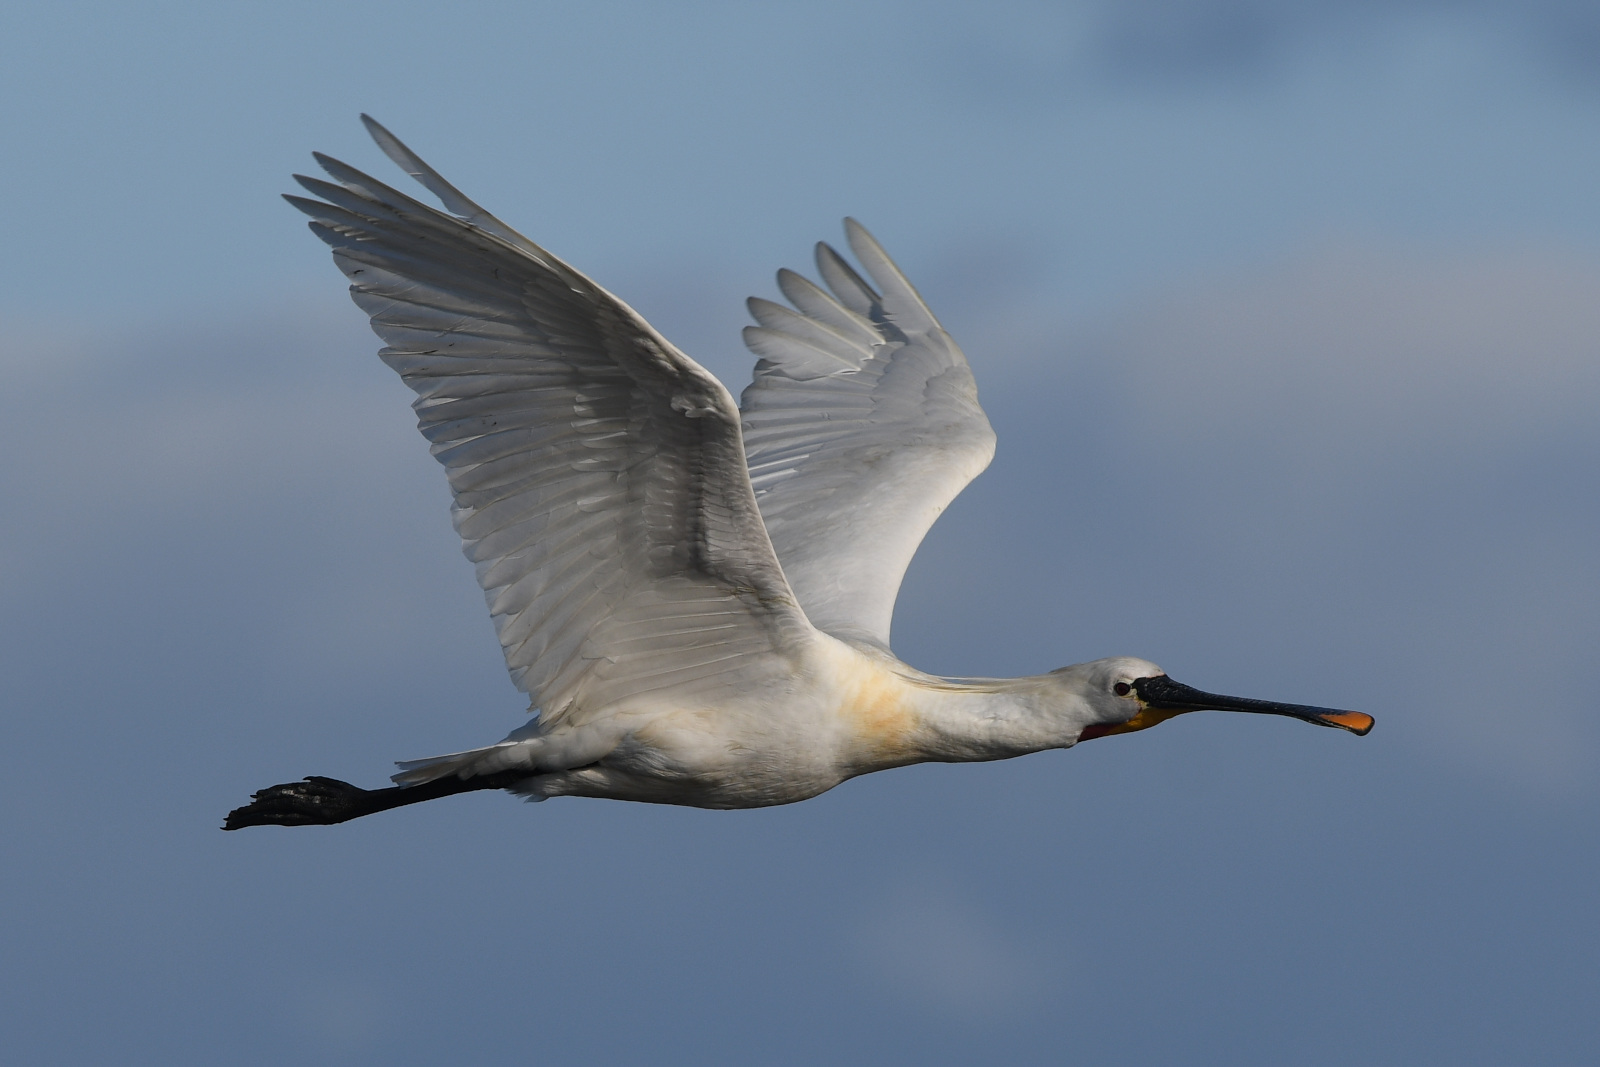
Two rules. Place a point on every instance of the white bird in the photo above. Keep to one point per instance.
(695, 595)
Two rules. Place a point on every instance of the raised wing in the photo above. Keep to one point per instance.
(598, 472)
(861, 425)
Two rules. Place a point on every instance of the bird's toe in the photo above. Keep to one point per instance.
(316, 801)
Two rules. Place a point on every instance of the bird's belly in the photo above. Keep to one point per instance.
(721, 791)
(685, 759)
(841, 715)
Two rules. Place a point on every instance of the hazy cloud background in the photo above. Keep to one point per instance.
(1288, 318)
(1185, 39)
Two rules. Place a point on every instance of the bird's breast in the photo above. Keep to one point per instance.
(877, 714)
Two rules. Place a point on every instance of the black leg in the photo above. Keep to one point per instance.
(319, 801)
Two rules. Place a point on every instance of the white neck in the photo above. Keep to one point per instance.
(897, 716)
(973, 719)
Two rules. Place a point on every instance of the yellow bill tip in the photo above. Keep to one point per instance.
(1356, 722)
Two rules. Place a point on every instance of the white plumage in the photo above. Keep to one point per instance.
(696, 596)
(861, 425)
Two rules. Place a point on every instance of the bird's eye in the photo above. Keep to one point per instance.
(1122, 689)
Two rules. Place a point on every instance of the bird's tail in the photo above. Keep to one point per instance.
(507, 755)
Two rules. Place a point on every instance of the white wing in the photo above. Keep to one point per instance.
(861, 425)
(598, 472)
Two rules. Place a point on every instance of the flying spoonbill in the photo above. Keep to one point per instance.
(696, 595)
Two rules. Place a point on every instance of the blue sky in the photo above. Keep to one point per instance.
(1287, 316)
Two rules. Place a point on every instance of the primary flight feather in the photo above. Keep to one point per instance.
(695, 595)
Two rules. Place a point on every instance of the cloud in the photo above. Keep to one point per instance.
(926, 946)
(1180, 42)
(343, 1016)
(241, 497)
(1432, 351)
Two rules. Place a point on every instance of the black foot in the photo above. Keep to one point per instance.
(320, 801)
(317, 801)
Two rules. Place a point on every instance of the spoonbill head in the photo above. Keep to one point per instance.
(695, 594)
(1126, 694)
